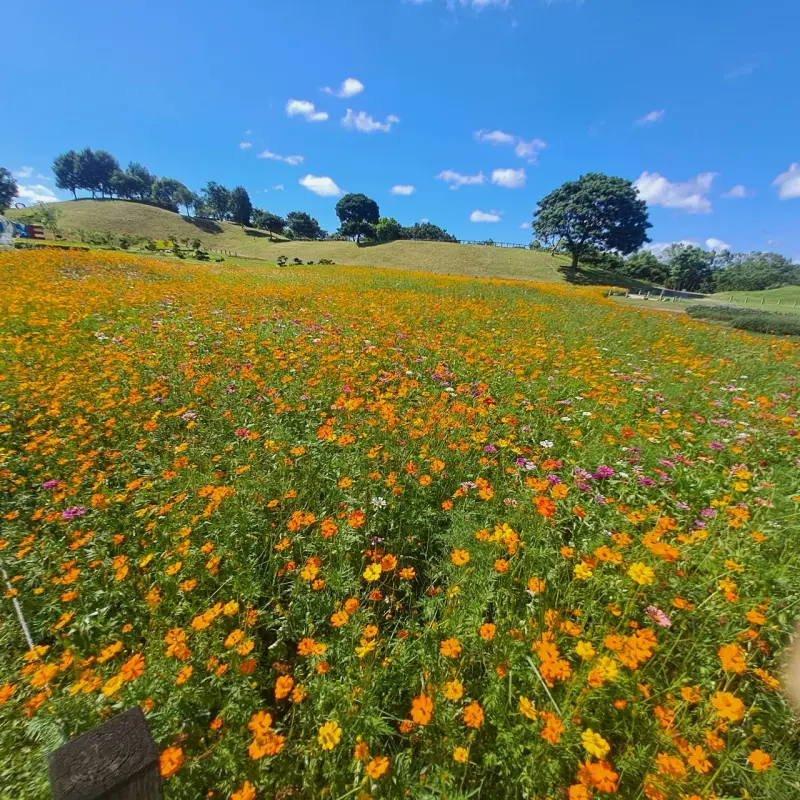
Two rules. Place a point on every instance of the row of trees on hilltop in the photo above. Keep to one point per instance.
(98, 172)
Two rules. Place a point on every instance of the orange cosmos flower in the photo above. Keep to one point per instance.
(473, 715)
(487, 631)
(728, 706)
(731, 657)
(283, 685)
(422, 709)
(460, 557)
(247, 792)
(170, 761)
(378, 767)
(759, 760)
(451, 648)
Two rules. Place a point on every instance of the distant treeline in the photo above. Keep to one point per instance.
(99, 172)
(692, 269)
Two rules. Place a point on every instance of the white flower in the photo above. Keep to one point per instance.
(546, 443)
(378, 502)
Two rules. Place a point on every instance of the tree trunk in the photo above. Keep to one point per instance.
(574, 259)
(74, 195)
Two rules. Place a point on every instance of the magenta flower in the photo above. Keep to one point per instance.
(72, 512)
(658, 616)
(51, 484)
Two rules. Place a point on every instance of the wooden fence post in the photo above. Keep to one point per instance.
(117, 760)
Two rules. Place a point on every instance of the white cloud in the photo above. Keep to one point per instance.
(23, 172)
(659, 248)
(741, 72)
(43, 177)
(485, 216)
(293, 160)
(481, 4)
(522, 148)
(717, 245)
(456, 179)
(736, 192)
(509, 178)
(788, 183)
(424, 220)
(690, 196)
(364, 123)
(305, 109)
(494, 137)
(350, 87)
(525, 225)
(278, 187)
(323, 186)
(651, 117)
(36, 193)
(245, 145)
(402, 189)
(530, 150)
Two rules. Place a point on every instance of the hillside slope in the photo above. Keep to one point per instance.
(122, 217)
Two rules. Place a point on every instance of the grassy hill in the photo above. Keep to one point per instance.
(787, 298)
(122, 217)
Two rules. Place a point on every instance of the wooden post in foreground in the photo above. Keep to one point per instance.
(117, 760)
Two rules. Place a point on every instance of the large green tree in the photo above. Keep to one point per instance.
(166, 192)
(217, 199)
(241, 209)
(65, 168)
(124, 185)
(357, 213)
(267, 221)
(689, 268)
(303, 226)
(105, 165)
(427, 232)
(187, 198)
(596, 212)
(388, 229)
(142, 180)
(8, 188)
(647, 267)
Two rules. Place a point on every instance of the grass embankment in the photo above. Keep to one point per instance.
(137, 219)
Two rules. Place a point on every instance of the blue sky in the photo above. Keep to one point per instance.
(482, 106)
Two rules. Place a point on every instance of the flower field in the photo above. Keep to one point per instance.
(354, 533)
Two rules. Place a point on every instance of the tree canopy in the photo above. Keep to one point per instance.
(268, 222)
(303, 226)
(358, 214)
(752, 272)
(596, 211)
(65, 168)
(8, 188)
(241, 209)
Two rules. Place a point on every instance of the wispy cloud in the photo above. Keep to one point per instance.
(527, 149)
(788, 183)
(364, 123)
(293, 160)
(36, 193)
(403, 189)
(690, 196)
(323, 186)
(741, 72)
(509, 178)
(278, 187)
(245, 145)
(737, 192)
(456, 179)
(305, 109)
(717, 245)
(652, 117)
(349, 87)
(485, 216)
(23, 172)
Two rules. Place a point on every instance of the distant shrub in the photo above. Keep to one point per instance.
(282, 261)
(219, 259)
(326, 262)
(297, 261)
(749, 319)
